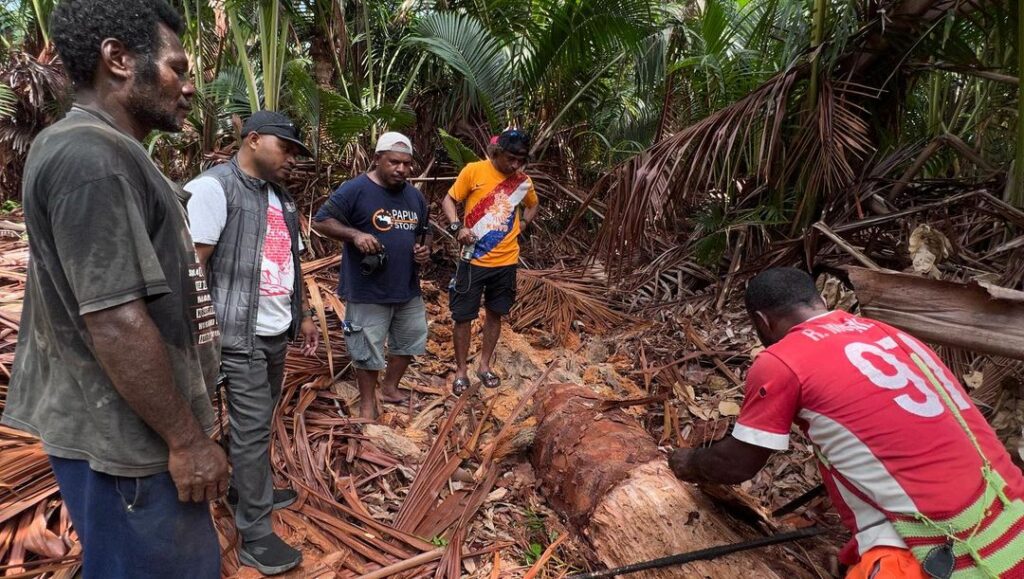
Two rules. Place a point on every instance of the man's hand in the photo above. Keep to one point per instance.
(310, 337)
(367, 244)
(421, 253)
(132, 352)
(465, 236)
(684, 466)
(728, 461)
(199, 470)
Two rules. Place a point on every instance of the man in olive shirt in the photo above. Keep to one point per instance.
(118, 345)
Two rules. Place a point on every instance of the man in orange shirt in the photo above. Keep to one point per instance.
(492, 191)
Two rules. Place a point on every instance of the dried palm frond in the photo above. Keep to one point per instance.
(700, 162)
(830, 142)
(555, 299)
(36, 95)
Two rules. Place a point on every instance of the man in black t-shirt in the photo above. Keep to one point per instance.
(383, 222)
(118, 346)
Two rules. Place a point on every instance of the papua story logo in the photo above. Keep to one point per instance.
(386, 220)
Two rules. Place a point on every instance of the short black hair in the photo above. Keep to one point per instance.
(80, 26)
(779, 289)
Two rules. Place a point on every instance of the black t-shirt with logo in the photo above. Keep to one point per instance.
(105, 228)
(396, 218)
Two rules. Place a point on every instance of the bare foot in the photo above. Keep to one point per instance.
(392, 395)
(368, 410)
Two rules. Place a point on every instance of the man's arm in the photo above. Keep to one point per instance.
(451, 212)
(728, 461)
(131, 351)
(331, 227)
(459, 192)
(529, 214)
(204, 251)
(207, 214)
(310, 333)
(769, 407)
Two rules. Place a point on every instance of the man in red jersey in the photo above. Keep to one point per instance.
(892, 446)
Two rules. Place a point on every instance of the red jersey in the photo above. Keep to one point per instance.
(850, 384)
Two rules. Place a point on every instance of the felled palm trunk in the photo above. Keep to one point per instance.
(604, 473)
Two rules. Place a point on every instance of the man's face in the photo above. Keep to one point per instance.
(509, 163)
(160, 92)
(394, 168)
(274, 156)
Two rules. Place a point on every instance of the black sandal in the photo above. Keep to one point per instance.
(489, 379)
(460, 385)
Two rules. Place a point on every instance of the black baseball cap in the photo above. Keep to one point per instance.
(276, 124)
(514, 141)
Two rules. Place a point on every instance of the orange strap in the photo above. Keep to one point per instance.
(887, 563)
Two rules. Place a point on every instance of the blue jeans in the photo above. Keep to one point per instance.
(135, 528)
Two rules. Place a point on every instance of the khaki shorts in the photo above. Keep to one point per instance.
(401, 328)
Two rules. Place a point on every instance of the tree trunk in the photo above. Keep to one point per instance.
(603, 472)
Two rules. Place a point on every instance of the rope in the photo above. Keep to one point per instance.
(986, 474)
(703, 554)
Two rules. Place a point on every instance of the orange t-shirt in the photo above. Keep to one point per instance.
(492, 200)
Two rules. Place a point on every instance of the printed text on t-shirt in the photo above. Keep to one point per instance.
(386, 220)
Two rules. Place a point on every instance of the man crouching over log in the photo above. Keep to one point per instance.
(916, 473)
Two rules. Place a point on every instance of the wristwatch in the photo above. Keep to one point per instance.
(308, 313)
(454, 227)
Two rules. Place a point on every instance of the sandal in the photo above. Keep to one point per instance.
(489, 379)
(460, 385)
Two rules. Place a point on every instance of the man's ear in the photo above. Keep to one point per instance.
(115, 57)
(762, 320)
(252, 140)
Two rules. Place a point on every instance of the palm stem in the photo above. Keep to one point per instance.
(368, 39)
(817, 34)
(243, 59)
(41, 20)
(554, 123)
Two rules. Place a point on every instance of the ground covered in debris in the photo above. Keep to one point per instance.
(444, 484)
(435, 472)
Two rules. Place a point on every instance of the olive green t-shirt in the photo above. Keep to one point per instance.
(105, 228)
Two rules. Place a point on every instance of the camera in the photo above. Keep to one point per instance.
(374, 262)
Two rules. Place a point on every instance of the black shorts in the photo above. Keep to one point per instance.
(497, 285)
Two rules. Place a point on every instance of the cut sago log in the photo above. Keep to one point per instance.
(604, 473)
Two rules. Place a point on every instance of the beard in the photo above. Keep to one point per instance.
(146, 104)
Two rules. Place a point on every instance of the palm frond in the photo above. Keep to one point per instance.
(465, 45)
(830, 143)
(555, 299)
(574, 35)
(700, 162)
(344, 120)
(301, 97)
(459, 153)
(8, 101)
(228, 93)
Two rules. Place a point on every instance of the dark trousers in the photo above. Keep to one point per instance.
(136, 528)
(254, 387)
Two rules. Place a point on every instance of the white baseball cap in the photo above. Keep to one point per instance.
(394, 142)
